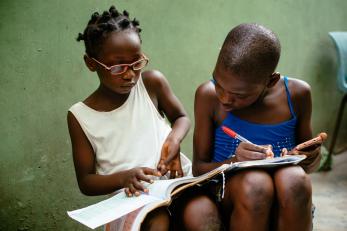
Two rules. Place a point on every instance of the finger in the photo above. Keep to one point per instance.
(269, 151)
(137, 193)
(310, 154)
(284, 152)
(127, 192)
(138, 186)
(151, 171)
(179, 172)
(162, 168)
(145, 174)
(257, 148)
(255, 155)
(159, 164)
(173, 174)
(294, 152)
(132, 190)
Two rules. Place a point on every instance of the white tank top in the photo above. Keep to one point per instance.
(129, 136)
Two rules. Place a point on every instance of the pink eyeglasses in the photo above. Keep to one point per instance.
(122, 68)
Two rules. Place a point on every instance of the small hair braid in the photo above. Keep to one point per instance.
(99, 26)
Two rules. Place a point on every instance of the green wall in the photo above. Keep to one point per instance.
(43, 74)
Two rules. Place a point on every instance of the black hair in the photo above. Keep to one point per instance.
(99, 27)
(250, 50)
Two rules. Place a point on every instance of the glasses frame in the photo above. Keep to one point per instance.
(127, 66)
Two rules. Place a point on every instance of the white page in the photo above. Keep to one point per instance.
(111, 209)
(270, 163)
(159, 187)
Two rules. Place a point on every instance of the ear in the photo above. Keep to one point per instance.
(274, 77)
(89, 63)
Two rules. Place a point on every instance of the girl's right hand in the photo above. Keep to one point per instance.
(247, 151)
(133, 177)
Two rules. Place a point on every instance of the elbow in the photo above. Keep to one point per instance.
(85, 191)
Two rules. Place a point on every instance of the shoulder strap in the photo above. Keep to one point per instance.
(288, 96)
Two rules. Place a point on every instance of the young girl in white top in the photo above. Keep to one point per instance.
(119, 135)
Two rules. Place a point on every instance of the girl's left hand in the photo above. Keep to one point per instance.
(312, 160)
(170, 159)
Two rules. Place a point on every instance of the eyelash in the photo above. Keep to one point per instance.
(220, 89)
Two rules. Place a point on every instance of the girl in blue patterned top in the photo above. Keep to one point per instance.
(247, 95)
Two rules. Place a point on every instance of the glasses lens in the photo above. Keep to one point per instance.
(140, 64)
(117, 69)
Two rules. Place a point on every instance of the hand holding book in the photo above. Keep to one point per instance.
(311, 149)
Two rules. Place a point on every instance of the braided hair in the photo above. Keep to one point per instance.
(99, 27)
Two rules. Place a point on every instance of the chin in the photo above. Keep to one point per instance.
(228, 108)
(123, 91)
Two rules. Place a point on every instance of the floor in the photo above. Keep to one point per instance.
(330, 196)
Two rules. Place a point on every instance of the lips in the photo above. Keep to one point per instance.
(228, 107)
(128, 86)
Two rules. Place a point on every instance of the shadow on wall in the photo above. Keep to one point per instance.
(323, 82)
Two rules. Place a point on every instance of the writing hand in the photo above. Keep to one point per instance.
(133, 178)
(248, 151)
(170, 159)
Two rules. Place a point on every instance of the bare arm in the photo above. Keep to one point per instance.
(91, 183)
(167, 103)
(204, 109)
(303, 104)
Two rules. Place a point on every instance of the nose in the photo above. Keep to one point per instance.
(226, 98)
(129, 74)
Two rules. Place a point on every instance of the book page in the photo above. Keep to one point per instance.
(268, 163)
(111, 209)
(162, 188)
(120, 205)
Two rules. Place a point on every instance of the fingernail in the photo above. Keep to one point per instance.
(146, 190)
(137, 193)
(151, 181)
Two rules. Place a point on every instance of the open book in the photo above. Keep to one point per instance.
(161, 193)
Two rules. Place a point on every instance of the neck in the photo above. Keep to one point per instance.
(110, 97)
(261, 97)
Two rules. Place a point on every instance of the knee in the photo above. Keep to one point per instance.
(293, 187)
(201, 213)
(157, 220)
(255, 192)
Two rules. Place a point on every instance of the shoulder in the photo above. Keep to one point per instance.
(299, 89)
(300, 92)
(206, 92)
(154, 79)
(206, 102)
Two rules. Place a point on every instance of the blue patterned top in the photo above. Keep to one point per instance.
(281, 135)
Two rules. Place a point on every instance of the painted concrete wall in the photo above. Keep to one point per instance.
(43, 74)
